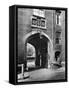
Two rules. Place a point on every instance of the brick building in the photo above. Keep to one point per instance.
(41, 37)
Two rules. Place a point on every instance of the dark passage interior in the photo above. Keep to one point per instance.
(40, 43)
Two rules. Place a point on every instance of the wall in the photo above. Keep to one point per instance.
(63, 34)
(24, 27)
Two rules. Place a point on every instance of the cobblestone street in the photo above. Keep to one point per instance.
(44, 74)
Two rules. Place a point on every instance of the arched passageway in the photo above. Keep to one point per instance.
(40, 43)
(43, 47)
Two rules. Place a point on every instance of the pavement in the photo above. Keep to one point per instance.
(44, 74)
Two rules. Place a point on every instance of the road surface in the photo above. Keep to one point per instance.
(44, 74)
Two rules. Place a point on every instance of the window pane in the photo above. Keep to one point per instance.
(58, 34)
(34, 21)
(38, 22)
(57, 40)
(43, 23)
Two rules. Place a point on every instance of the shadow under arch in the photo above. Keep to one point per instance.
(50, 45)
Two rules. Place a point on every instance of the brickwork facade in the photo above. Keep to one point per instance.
(25, 30)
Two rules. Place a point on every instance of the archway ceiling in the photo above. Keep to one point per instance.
(37, 40)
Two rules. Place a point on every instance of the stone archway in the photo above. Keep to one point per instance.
(49, 48)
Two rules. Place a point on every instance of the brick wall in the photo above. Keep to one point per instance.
(24, 27)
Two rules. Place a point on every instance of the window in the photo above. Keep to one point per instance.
(58, 17)
(58, 34)
(43, 23)
(57, 40)
(38, 22)
(58, 20)
(34, 21)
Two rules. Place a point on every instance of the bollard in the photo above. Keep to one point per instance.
(22, 71)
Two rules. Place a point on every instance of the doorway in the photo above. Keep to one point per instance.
(37, 57)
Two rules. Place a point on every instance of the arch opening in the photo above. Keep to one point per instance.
(57, 55)
(42, 51)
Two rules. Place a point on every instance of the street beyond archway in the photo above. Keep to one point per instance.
(44, 74)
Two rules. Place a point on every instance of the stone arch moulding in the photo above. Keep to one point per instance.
(50, 45)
